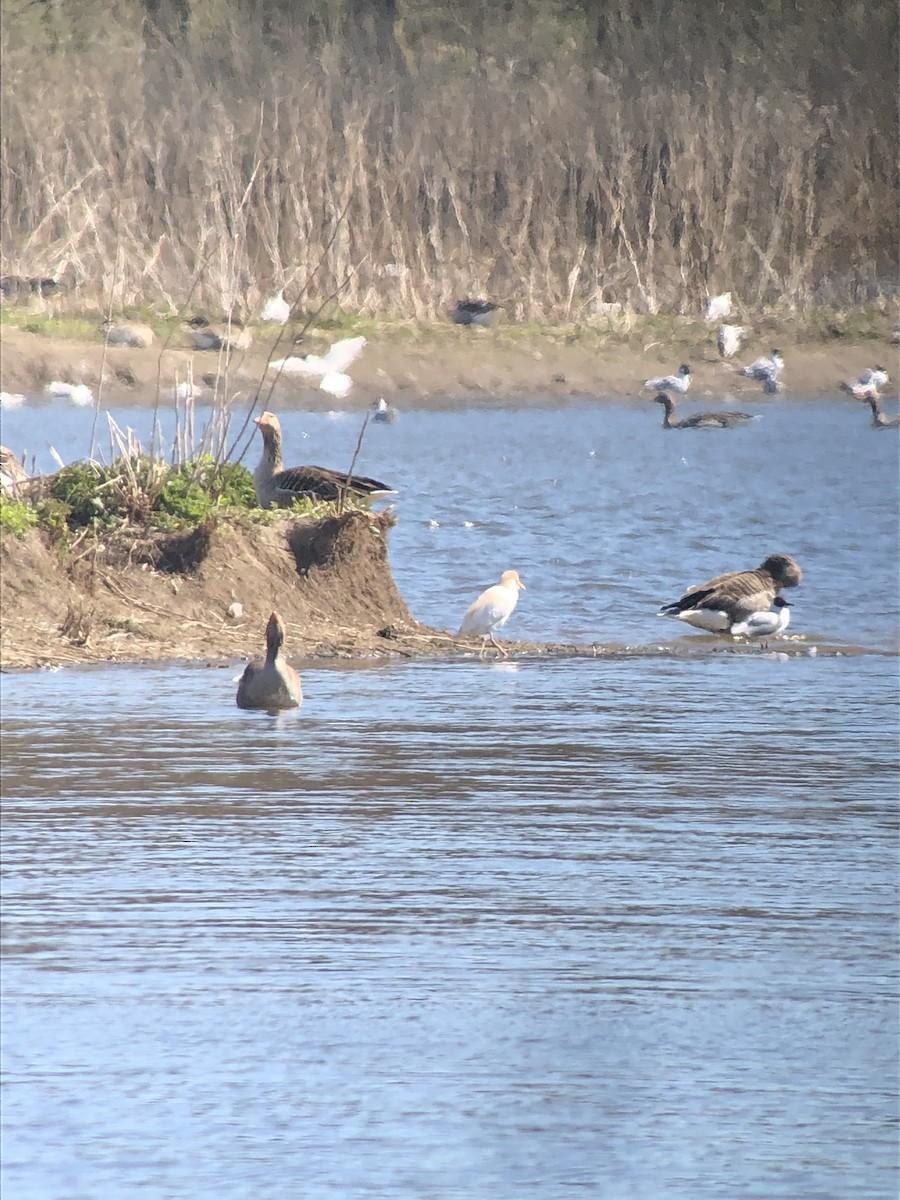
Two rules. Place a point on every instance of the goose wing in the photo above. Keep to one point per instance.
(737, 591)
(326, 484)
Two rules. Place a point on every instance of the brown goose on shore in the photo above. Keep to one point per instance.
(722, 602)
(709, 420)
(272, 684)
(879, 420)
(281, 486)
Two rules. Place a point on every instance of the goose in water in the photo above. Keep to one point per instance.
(766, 370)
(474, 312)
(708, 420)
(329, 368)
(276, 308)
(280, 487)
(679, 382)
(764, 623)
(868, 385)
(879, 420)
(728, 339)
(729, 599)
(272, 684)
(492, 610)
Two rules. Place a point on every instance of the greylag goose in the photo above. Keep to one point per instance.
(717, 605)
(679, 382)
(225, 336)
(728, 339)
(474, 312)
(879, 420)
(708, 420)
(766, 370)
(493, 609)
(127, 333)
(765, 623)
(868, 385)
(279, 486)
(271, 684)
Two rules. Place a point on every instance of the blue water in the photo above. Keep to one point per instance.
(621, 928)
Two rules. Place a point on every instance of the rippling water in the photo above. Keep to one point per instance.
(618, 928)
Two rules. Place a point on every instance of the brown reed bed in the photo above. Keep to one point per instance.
(556, 157)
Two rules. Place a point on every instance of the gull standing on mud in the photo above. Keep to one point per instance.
(329, 368)
(719, 307)
(766, 370)
(492, 610)
(280, 487)
(707, 420)
(679, 382)
(731, 598)
(764, 623)
(276, 309)
(728, 339)
(273, 684)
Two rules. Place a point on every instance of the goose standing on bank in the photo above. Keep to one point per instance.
(127, 333)
(708, 420)
(492, 610)
(765, 623)
(731, 598)
(227, 336)
(766, 370)
(271, 684)
(679, 382)
(280, 487)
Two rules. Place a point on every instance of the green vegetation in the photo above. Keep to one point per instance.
(91, 499)
(16, 516)
(553, 155)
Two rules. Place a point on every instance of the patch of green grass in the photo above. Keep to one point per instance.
(16, 516)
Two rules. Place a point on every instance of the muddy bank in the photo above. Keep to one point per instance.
(443, 367)
(139, 596)
(143, 597)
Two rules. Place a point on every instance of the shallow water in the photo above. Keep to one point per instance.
(621, 928)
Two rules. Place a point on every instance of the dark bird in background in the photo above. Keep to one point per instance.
(474, 312)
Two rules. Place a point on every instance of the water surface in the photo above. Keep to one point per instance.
(613, 928)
